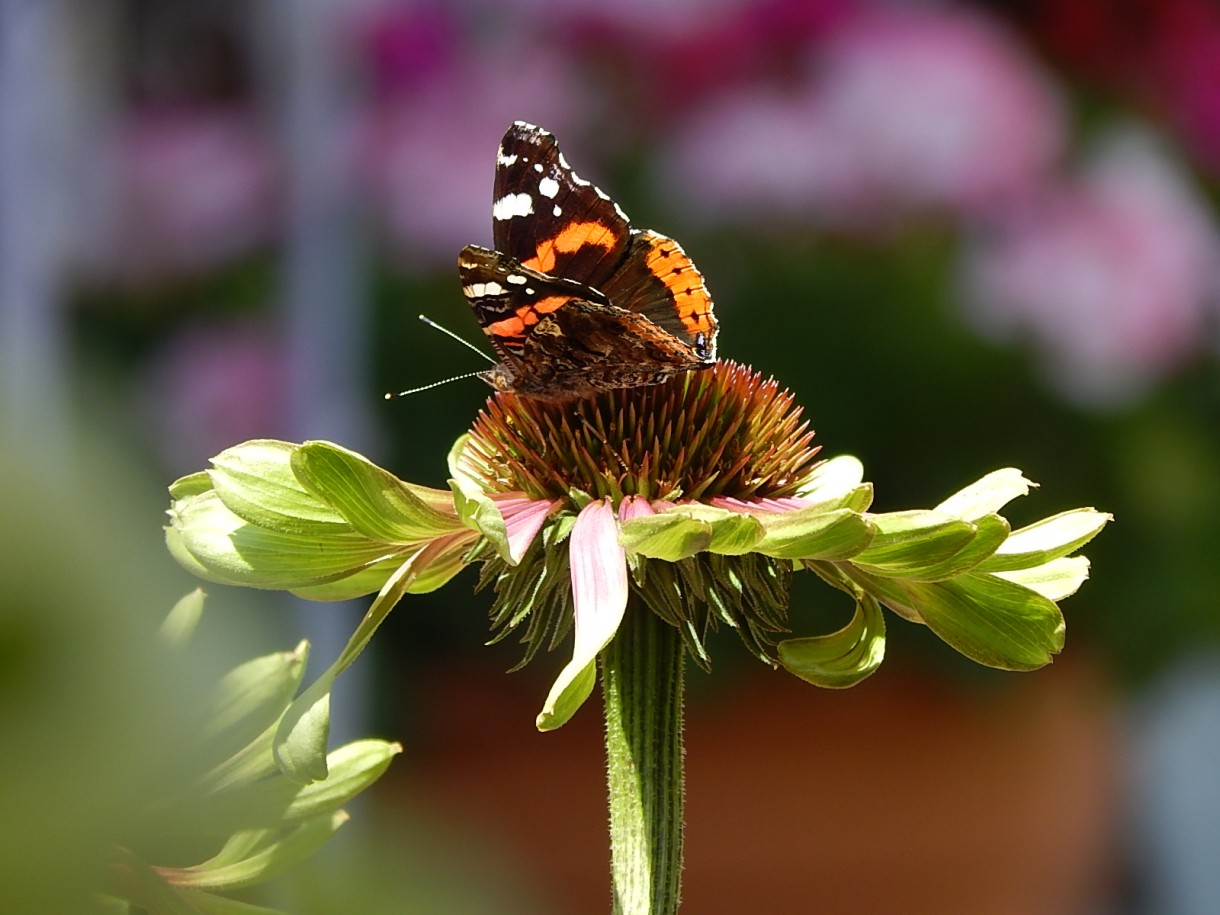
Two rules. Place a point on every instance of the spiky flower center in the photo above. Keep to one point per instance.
(726, 431)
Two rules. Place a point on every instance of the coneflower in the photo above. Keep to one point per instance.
(639, 519)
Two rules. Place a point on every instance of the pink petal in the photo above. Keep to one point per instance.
(523, 518)
(599, 596)
(756, 506)
(634, 507)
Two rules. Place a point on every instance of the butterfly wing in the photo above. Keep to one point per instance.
(547, 217)
(657, 280)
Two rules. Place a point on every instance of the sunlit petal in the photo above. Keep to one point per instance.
(599, 596)
(523, 517)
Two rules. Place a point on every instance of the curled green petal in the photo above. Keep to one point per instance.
(255, 481)
(178, 627)
(1048, 539)
(843, 658)
(375, 502)
(300, 741)
(987, 495)
(250, 698)
(814, 533)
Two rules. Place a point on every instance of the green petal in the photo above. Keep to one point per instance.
(300, 741)
(990, 620)
(375, 502)
(220, 546)
(178, 627)
(255, 481)
(262, 865)
(1047, 539)
(814, 533)
(1054, 580)
(670, 536)
(838, 483)
(839, 659)
(987, 495)
(250, 698)
(566, 700)
(930, 546)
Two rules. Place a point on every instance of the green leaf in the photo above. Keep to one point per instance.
(843, 658)
(813, 533)
(990, 620)
(1047, 539)
(285, 854)
(1054, 580)
(987, 495)
(372, 500)
(300, 742)
(178, 627)
(255, 481)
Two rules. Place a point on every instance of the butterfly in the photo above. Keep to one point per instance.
(573, 299)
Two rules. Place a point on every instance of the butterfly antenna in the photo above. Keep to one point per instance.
(435, 384)
(448, 333)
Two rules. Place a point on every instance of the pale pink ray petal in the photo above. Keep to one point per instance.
(523, 519)
(599, 598)
(757, 506)
(634, 507)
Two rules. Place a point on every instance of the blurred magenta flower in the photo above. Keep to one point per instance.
(901, 109)
(427, 133)
(1166, 53)
(189, 188)
(1111, 274)
(214, 385)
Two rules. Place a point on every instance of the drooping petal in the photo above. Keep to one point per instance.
(599, 597)
(523, 519)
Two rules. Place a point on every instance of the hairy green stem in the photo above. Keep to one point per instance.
(642, 685)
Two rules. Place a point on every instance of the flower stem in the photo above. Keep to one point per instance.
(642, 685)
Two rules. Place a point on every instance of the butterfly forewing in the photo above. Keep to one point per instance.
(547, 217)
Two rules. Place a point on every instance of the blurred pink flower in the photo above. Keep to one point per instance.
(1111, 275)
(212, 386)
(902, 109)
(188, 189)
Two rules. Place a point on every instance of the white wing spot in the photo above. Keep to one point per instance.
(558, 211)
(511, 205)
(478, 290)
(548, 187)
(538, 167)
(504, 160)
(516, 279)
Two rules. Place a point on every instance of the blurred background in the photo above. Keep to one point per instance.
(966, 235)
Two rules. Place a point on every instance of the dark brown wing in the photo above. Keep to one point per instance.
(547, 217)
